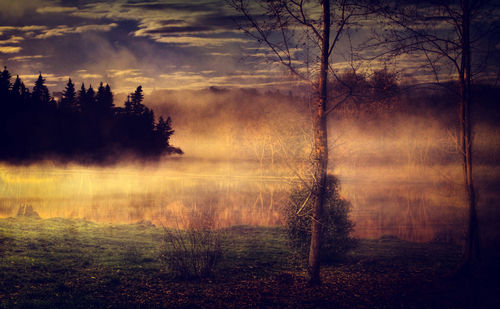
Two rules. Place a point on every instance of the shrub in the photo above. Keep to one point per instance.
(337, 229)
(194, 251)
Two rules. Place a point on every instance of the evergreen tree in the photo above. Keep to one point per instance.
(69, 96)
(100, 95)
(40, 91)
(137, 97)
(4, 84)
(25, 93)
(81, 98)
(108, 98)
(164, 129)
(90, 96)
(86, 126)
(104, 99)
(16, 88)
(86, 99)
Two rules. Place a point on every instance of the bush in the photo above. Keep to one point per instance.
(194, 251)
(337, 229)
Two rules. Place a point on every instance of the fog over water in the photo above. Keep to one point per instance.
(400, 172)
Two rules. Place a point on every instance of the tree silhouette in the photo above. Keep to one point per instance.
(81, 98)
(4, 84)
(104, 99)
(68, 100)
(40, 91)
(84, 127)
(17, 90)
(284, 27)
(449, 34)
(136, 103)
(89, 102)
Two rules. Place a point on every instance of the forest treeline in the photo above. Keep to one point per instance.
(84, 126)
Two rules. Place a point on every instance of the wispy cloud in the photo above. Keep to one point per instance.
(56, 9)
(51, 79)
(10, 49)
(26, 58)
(121, 73)
(90, 76)
(12, 40)
(22, 28)
(198, 41)
(63, 30)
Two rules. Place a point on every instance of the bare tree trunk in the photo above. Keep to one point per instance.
(471, 251)
(320, 152)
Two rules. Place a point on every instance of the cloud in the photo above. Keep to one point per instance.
(16, 9)
(172, 22)
(140, 80)
(51, 79)
(63, 30)
(25, 29)
(179, 29)
(12, 40)
(90, 76)
(56, 9)
(198, 41)
(194, 24)
(26, 58)
(178, 6)
(10, 49)
(208, 78)
(220, 54)
(124, 72)
(32, 28)
(121, 35)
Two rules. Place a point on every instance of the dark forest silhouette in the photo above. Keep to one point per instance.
(84, 126)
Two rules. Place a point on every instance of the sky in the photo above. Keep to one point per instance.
(170, 44)
(159, 44)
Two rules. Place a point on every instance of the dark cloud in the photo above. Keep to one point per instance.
(180, 29)
(189, 43)
(172, 22)
(222, 21)
(180, 6)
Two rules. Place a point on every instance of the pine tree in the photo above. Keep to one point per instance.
(90, 96)
(16, 88)
(108, 98)
(137, 97)
(4, 84)
(40, 91)
(69, 96)
(104, 99)
(100, 95)
(88, 102)
(25, 92)
(164, 129)
(81, 98)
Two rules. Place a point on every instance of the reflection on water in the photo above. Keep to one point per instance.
(160, 194)
(239, 193)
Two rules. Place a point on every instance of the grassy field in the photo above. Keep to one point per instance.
(66, 263)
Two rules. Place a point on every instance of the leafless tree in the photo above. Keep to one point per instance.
(285, 27)
(453, 36)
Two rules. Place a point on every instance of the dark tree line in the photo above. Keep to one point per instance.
(84, 126)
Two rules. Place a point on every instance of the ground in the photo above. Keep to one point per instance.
(62, 263)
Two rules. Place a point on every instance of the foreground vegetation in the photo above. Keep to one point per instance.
(76, 263)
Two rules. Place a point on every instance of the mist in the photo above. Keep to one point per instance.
(245, 150)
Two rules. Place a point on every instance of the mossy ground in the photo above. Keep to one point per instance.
(66, 263)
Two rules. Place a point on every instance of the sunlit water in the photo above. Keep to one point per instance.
(411, 206)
